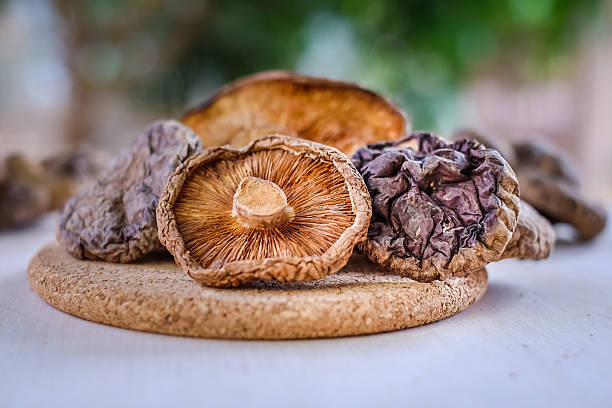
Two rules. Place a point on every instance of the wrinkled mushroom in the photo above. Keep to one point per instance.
(280, 208)
(114, 219)
(338, 114)
(549, 182)
(439, 209)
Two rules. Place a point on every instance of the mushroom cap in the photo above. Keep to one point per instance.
(533, 238)
(551, 184)
(560, 200)
(330, 211)
(114, 219)
(339, 114)
(547, 160)
(439, 209)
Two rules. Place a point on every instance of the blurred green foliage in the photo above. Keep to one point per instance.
(417, 51)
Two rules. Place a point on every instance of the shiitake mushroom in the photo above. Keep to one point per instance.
(439, 209)
(549, 182)
(114, 219)
(280, 208)
(339, 114)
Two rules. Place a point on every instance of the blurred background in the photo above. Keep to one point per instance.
(97, 72)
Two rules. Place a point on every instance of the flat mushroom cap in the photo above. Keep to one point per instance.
(533, 238)
(439, 209)
(114, 219)
(280, 208)
(339, 114)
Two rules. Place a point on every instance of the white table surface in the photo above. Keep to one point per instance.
(541, 336)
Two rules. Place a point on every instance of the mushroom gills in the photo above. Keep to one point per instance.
(264, 204)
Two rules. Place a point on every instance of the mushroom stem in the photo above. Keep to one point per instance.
(261, 204)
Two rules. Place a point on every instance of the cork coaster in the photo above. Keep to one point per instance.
(156, 296)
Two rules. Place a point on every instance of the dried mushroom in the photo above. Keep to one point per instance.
(114, 219)
(533, 238)
(552, 186)
(24, 193)
(439, 209)
(280, 208)
(338, 114)
(546, 160)
(549, 183)
(560, 200)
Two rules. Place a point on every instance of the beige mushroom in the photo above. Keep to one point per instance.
(339, 114)
(280, 208)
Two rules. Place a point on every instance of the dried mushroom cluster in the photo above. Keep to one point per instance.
(292, 207)
(281, 208)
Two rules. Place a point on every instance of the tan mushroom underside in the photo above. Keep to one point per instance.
(338, 114)
(155, 295)
(224, 237)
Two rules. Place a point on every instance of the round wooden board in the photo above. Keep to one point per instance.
(155, 295)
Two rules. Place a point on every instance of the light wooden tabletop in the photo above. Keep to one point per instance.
(541, 336)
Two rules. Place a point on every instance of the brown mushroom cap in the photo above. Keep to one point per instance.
(560, 201)
(551, 184)
(533, 238)
(546, 160)
(338, 114)
(280, 208)
(439, 209)
(114, 219)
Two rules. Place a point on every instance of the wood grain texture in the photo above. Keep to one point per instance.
(155, 295)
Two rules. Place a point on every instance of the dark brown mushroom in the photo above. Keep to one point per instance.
(439, 209)
(280, 208)
(549, 182)
(114, 219)
(339, 114)
(560, 200)
(546, 160)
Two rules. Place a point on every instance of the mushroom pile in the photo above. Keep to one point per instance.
(280, 176)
